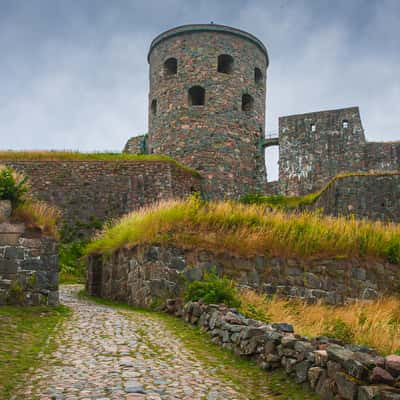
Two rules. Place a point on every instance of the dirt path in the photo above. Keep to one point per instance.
(104, 353)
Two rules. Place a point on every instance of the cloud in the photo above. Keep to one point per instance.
(74, 75)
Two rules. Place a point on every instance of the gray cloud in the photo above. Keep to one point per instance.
(74, 75)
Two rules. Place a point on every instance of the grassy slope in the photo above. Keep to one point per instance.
(246, 375)
(248, 230)
(77, 156)
(297, 202)
(24, 332)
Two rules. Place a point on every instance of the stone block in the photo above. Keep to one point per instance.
(347, 386)
(301, 370)
(8, 267)
(392, 364)
(314, 374)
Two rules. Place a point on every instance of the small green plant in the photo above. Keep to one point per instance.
(13, 186)
(213, 289)
(339, 330)
(72, 266)
(16, 294)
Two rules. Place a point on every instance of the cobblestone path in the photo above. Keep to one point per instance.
(104, 353)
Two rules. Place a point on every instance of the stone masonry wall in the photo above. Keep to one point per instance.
(315, 147)
(375, 197)
(146, 274)
(88, 191)
(136, 145)
(327, 366)
(28, 267)
(218, 139)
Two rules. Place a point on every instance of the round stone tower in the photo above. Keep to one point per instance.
(207, 105)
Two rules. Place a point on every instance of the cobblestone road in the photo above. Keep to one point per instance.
(104, 353)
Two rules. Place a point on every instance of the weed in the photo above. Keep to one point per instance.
(213, 289)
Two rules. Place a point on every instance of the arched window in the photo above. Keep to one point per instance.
(225, 63)
(345, 124)
(197, 96)
(258, 76)
(247, 102)
(153, 107)
(171, 66)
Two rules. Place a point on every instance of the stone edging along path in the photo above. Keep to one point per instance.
(332, 370)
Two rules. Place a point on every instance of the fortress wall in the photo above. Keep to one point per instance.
(315, 147)
(382, 156)
(374, 197)
(145, 274)
(89, 191)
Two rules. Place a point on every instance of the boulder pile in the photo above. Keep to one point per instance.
(329, 367)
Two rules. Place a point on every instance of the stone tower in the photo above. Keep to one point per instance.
(207, 105)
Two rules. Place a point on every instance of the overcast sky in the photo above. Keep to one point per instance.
(74, 73)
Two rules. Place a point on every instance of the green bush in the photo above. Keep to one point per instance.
(72, 266)
(13, 186)
(213, 289)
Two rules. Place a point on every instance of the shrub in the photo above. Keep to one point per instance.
(72, 266)
(213, 289)
(13, 186)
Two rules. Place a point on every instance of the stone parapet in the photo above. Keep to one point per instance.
(28, 267)
(145, 274)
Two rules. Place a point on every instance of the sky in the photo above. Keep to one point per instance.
(74, 73)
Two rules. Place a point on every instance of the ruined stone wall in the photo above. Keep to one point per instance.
(382, 156)
(315, 147)
(136, 145)
(146, 274)
(90, 191)
(375, 197)
(218, 139)
(28, 267)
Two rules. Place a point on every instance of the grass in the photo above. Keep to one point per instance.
(77, 156)
(24, 333)
(38, 215)
(245, 375)
(248, 230)
(299, 202)
(375, 324)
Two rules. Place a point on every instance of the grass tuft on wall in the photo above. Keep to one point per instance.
(248, 230)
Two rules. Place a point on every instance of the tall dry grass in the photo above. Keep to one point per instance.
(375, 324)
(250, 230)
(38, 215)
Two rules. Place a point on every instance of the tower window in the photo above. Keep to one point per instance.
(153, 107)
(313, 127)
(258, 76)
(171, 66)
(225, 63)
(247, 102)
(197, 96)
(345, 124)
